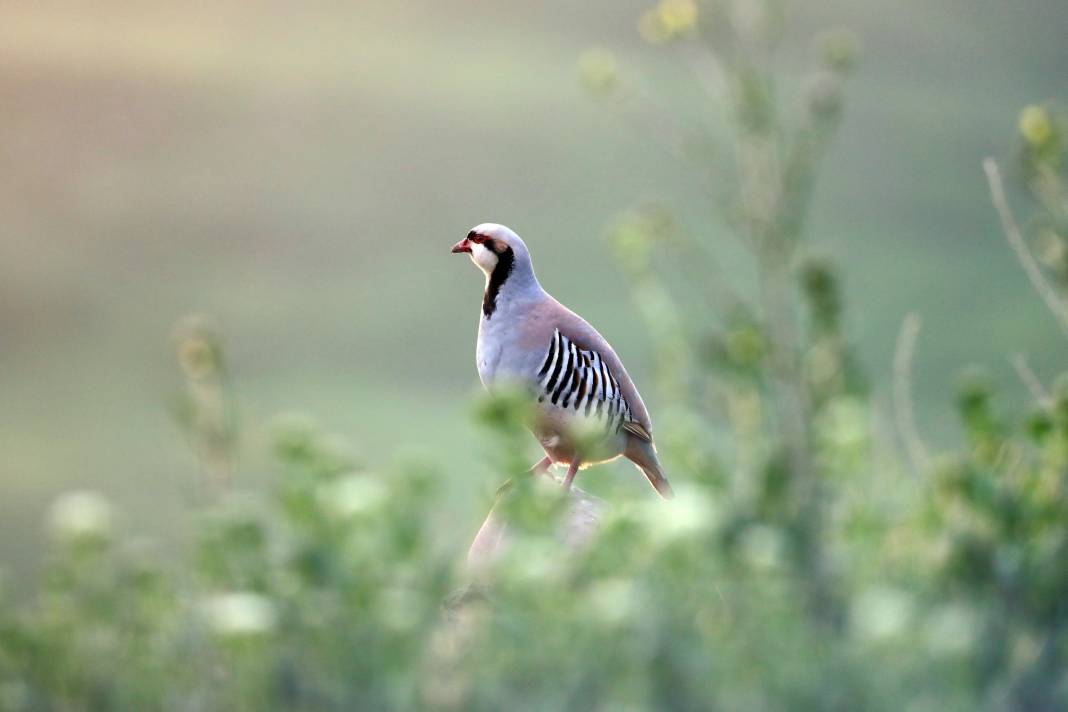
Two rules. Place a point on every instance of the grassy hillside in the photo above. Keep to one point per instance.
(301, 172)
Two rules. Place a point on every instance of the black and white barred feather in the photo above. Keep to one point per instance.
(580, 380)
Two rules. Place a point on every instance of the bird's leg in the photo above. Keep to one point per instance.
(542, 466)
(571, 470)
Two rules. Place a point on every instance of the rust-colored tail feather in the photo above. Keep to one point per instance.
(659, 482)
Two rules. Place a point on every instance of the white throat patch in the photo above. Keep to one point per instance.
(483, 257)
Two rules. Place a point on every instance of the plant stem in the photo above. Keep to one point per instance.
(1053, 302)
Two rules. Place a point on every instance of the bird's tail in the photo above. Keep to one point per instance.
(643, 455)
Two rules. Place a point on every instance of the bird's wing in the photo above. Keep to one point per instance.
(583, 334)
(638, 430)
(581, 372)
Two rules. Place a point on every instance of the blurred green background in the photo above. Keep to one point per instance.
(299, 171)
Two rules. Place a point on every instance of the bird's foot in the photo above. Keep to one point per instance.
(572, 470)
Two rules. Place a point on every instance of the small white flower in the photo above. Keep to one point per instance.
(881, 612)
(690, 512)
(352, 494)
(613, 600)
(239, 613)
(80, 515)
(845, 424)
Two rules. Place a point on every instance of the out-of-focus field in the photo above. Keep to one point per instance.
(300, 171)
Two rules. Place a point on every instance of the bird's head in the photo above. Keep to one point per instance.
(492, 245)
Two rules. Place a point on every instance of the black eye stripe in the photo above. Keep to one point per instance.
(496, 246)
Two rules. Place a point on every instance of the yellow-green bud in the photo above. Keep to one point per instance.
(1036, 126)
(598, 72)
(669, 20)
(1050, 248)
(677, 16)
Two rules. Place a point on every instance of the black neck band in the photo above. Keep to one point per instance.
(505, 263)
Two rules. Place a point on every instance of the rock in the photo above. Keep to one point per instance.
(578, 525)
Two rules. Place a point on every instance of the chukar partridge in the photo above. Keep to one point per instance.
(587, 408)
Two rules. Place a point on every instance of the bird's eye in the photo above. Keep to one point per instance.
(476, 238)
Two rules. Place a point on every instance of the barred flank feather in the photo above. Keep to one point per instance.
(580, 380)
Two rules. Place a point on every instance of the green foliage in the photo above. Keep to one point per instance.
(798, 568)
(999, 508)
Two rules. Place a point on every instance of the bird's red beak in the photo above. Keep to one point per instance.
(462, 246)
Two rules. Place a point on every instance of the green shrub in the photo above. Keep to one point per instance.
(799, 567)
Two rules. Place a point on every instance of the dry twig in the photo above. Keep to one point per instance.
(904, 411)
(1045, 290)
(1034, 385)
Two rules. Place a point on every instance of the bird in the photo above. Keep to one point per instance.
(587, 409)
